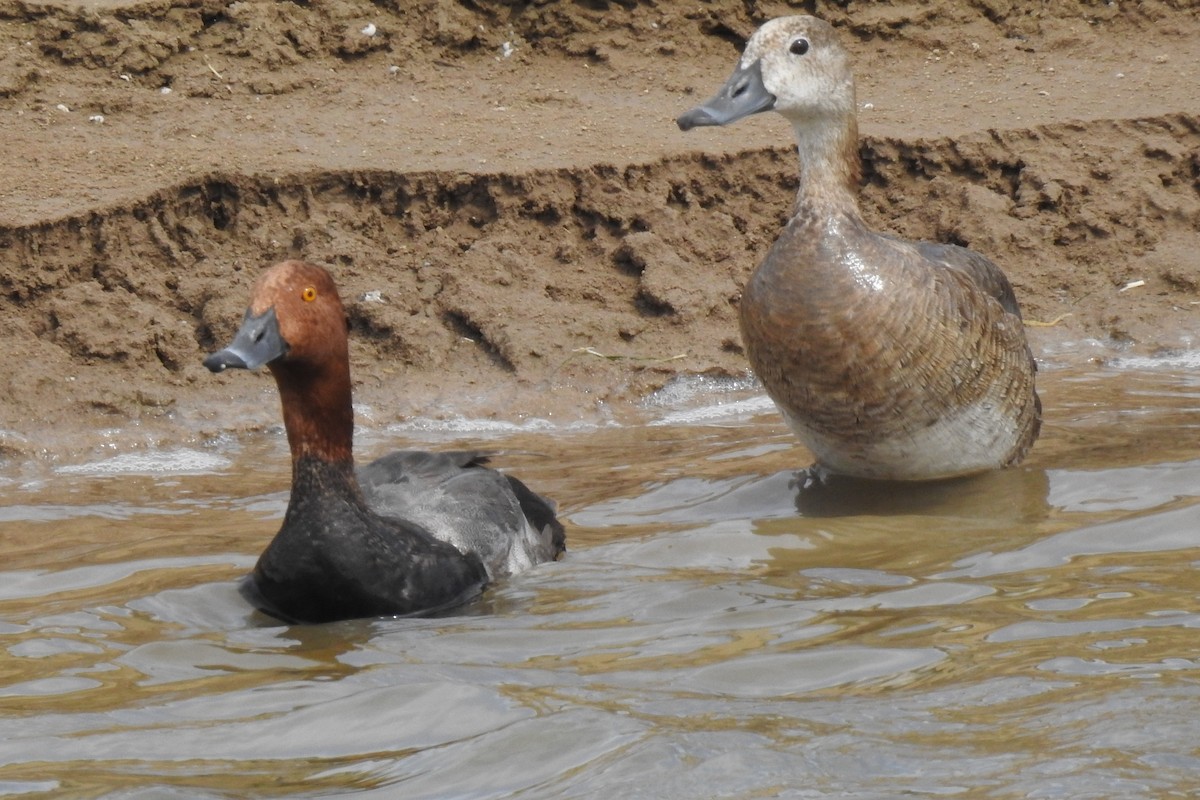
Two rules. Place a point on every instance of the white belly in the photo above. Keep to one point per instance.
(974, 439)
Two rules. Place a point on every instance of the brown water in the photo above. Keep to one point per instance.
(713, 632)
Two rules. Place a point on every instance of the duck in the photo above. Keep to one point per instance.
(411, 533)
(889, 359)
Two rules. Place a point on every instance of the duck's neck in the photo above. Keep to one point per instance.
(317, 412)
(830, 167)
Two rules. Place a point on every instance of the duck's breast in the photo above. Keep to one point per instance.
(334, 559)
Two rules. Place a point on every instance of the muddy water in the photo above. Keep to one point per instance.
(716, 630)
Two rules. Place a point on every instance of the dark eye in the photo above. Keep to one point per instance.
(799, 47)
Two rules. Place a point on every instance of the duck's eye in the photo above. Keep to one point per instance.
(309, 294)
(798, 47)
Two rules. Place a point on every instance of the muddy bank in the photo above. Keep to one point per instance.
(560, 264)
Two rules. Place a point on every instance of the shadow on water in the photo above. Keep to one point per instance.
(716, 629)
(1015, 495)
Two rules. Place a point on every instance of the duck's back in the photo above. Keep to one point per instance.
(461, 501)
(888, 358)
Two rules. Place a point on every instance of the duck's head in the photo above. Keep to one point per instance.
(295, 317)
(793, 65)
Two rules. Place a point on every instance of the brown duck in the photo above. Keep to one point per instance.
(888, 358)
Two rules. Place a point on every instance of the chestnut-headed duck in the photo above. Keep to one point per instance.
(888, 358)
(410, 533)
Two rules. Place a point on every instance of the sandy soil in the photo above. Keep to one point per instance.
(516, 222)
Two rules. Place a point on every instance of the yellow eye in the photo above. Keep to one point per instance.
(309, 294)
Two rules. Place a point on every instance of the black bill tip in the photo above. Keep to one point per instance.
(223, 360)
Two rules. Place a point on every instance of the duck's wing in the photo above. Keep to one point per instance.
(959, 276)
(541, 513)
(419, 465)
(979, 269)
(966, 267)
(464, 502)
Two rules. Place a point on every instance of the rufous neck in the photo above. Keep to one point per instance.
(317, 410)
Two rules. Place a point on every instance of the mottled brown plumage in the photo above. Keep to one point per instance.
(888, 358)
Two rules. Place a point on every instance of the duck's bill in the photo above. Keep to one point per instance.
(257, 342)
(742, 95)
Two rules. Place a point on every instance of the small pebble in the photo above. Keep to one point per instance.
(369, 29)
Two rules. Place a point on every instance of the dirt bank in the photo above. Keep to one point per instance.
(515, 221)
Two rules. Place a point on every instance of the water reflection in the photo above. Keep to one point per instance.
(716, 629)
(1007, 496)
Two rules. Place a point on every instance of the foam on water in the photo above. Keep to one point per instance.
(673, 405)
(165, 462)
(720, 399)
(1188, 359)
(726, 411)
(687, 388)
(486, 427)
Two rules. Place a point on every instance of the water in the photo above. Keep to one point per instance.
(715, 630)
